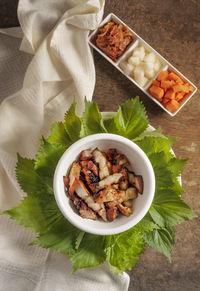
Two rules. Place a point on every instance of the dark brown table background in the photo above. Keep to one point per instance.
(172, 27)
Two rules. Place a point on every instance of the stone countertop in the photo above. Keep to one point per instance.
(173, 29)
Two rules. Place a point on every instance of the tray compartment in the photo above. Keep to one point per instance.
(92, 37)
(126, 59)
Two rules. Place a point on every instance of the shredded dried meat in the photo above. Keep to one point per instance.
(113, 39)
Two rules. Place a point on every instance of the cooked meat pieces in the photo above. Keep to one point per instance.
(85, 155)
(90, 165)
(109, 180)
(115, 158)
(136, 180)
(93, 167)
(112, 213)
(115, 168)
(84, 164)
(124, 182)
(131, 193)
(100, 184)
(74, 177)
(66, 182)
(87, 212)
(128, 203)
(127, 211)
(76, 201)
(83, 193)
(100, 159)
(121, 160)
(91, 179)
(82, 208)
(111, 204)
(111, 154)
(109, 194)
(115, 186)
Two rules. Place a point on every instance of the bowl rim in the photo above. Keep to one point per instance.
(85, 227)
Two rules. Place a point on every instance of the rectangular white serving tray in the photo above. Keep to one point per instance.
(165, 65)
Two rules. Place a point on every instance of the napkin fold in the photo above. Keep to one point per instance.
(40, 75)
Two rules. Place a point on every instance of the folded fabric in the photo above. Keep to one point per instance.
(38, 83)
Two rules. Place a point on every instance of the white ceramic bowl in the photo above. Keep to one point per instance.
(140, 164)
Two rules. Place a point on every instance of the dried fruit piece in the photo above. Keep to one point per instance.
(175, 89)
(173, 76)
(172, 105)
(162, 76)
(170, 94)
(156, 92)
(166, 84)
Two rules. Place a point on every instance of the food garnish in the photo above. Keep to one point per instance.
(103, 181)
(113, 39)
(171, 90)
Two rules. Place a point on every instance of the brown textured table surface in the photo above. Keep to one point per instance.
(172, 27)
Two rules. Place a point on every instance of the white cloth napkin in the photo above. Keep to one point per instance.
(37, 85)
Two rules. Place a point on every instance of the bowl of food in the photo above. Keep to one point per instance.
(104, 184)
